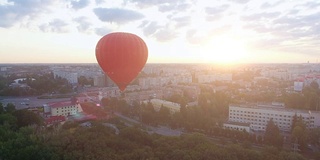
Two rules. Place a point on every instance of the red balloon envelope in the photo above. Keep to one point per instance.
(121, 56)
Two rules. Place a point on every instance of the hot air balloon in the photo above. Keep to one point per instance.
(121, 56)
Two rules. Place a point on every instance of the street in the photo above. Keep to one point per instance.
(28, 102)
(162, 130)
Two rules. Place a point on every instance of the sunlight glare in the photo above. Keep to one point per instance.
(224, 50)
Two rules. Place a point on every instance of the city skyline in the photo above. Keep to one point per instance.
(175, 31)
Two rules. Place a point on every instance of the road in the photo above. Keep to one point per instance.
(162, 130)
(25, 102)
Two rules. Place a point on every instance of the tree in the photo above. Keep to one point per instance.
(314, 85)
(8, 119)
(294, 121)
(82, 80)
(10, 108)
(272, 135)
(299, 133)
(1, 108)
(164, 114)
(26, 118)
(314, 136)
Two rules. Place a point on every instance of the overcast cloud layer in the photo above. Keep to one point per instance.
(281, 25)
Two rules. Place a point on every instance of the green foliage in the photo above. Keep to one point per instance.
(41, 84)
(272, 135)
(100, 142)
(8, 120)
(26, 118)
(1, 108)
(10, 108)
(299, 133)
(308, 99)
(82, 80)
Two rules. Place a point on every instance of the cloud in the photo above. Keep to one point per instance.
(240, 1)
(180, 22)
(291, 32)
(79, 4)
(83, 22)
(268, 5)
(165, 34)
(151, 3)
(116, 15)
(163, 5)
(159, 32)
(311, 4)
(261, 16)
(216, 10)
(174, 7)
(57, 25)
(20, 9)
(215, 13)
(102, 31)
(100, 1)
(150, 28)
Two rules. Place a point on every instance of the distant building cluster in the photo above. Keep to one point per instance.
(208, 78)
(157, 83)
(305, 80)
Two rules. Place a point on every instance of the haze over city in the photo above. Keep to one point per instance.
(175, 31)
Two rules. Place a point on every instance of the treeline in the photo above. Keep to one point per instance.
(35, 85)
(212, 110)
(208, 118)
(97, 141)
(308, 99)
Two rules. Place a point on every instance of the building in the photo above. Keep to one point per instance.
(55, 120)
(99, 81)
(277, 73)
(237, 126)
(298, 85)
(63, 108)
(259, 115)
(159, 81)
(158, 103)
(71, 77)
(143, 95)
(208, 78)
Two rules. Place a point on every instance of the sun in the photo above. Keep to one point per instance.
(224, 50)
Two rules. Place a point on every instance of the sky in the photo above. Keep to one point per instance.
(175, 31)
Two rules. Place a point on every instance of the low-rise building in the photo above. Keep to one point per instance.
(55, 120)
(237, 126)
(63, 108)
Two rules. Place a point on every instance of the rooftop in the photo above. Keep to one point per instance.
(60, 104)
(238, 123)
(272, 107)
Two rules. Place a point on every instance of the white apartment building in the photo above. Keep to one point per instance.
(158, 103)
(70, 76)
(259, 115)
(298, 86)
